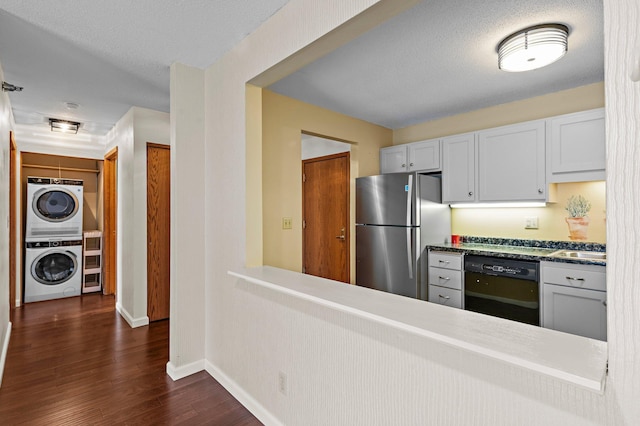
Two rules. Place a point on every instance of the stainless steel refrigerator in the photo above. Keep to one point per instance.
(397, 215)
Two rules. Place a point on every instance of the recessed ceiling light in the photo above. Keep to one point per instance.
(533, 47)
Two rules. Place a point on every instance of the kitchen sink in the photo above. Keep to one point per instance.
(576, 254)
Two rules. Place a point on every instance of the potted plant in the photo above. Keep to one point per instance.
(578, 221)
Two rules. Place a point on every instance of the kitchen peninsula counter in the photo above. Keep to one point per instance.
(572, 359)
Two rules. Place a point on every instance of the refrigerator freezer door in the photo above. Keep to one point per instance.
(386, 259)
(387, 200)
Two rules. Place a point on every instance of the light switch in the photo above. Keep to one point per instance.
(531, 222)
(286, 223)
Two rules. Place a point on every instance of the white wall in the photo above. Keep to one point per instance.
(314, 146)
(40, 140)
(342, 370)
(6, 125)
(188, 224)
(131, 134)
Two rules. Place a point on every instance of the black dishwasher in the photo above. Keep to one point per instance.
(504, 288)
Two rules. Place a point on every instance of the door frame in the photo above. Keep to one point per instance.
(347, 155)
(156, 312)
(110, 217)
(13, 153)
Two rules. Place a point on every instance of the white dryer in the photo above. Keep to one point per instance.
(53, 270)
(54, 208)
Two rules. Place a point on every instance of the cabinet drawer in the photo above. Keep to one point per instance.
(445, 260)
(445, 296)
(445, 278)
(579, 276)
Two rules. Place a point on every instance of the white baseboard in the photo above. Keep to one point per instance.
(5, 348)
(177, 373)
(133, 322)
(241, 395)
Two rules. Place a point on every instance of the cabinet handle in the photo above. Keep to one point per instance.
(444, 261)
(404, 165)
(444, 297)
(540, 191)
(410, 164)
(444, 278)
(604, 302)
(575, 279)
(470, 194)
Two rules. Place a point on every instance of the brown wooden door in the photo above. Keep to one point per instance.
(158, 230)
(326, 216)
(110, 207)
(12, 223)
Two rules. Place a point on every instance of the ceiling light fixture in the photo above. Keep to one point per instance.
(64, 126)
(8, 87)
(533, 47)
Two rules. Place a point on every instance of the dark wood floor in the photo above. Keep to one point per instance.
(76, 362)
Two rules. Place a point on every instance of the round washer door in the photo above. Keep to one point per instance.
(54, 267)
(55, 204)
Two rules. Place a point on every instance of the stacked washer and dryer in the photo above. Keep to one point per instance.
(53, 240)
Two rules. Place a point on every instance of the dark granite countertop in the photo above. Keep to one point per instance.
(521, 249)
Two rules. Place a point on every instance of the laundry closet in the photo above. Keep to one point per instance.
(61, 206)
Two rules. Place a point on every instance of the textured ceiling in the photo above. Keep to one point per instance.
(436, 59)
(107, 56)
(439, 59)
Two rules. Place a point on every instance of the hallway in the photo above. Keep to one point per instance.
(75, 361)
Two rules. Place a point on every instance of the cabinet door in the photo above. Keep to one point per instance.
(458, 169)
(393, 159)
(577, 146)
(445, 296)
(511, 163)
(576, 311)
(424, 155)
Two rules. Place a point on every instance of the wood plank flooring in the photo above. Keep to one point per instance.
(75, 361)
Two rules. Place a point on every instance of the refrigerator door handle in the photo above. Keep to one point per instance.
(410, 252)
(409, 198)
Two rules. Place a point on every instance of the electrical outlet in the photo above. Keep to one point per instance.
(531, 222)
(282, 383)
(286, 223)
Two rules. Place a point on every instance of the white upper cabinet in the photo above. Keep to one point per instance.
(424, 155)
(459, 169)
(393, 159)
(576, 147)
(511, 163)
(416, 156)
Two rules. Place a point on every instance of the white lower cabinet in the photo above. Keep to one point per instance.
(574, 299)
(445, 279)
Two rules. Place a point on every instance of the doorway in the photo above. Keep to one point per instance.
(158, 231)
(325, 212)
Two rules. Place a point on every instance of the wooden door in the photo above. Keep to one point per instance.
(158, 231)
(110, 207)
(12, 223)
(326, 216)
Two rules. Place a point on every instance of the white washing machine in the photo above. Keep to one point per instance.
(53, 270)
(54, 208)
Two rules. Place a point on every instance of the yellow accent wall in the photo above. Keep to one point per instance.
(564, 102)
(509, 223)
(283, 122)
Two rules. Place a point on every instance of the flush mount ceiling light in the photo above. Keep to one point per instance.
(64, 126)
(533, 47)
